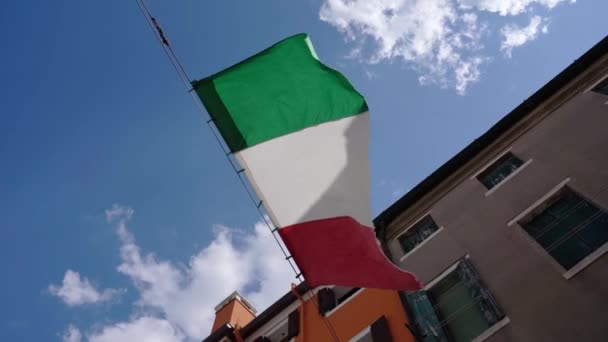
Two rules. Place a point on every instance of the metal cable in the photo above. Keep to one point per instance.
(180, 70)
(158, 32)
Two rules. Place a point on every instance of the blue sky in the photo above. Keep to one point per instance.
(122, 219)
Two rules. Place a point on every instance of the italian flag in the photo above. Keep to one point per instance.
(301, 132)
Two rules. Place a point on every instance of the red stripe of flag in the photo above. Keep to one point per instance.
(340, 251)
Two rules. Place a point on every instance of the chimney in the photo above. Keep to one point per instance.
(234, 310)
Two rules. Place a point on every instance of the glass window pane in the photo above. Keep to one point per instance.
(570, 252)
(595, 234)
(426, 317)
(569, 229)
(458, 311)
(418, 233)
(500, 170)
(343, 293)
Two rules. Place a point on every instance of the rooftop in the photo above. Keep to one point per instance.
(235, 296)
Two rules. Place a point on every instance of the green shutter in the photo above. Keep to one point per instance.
(463, 305)
(281, 90)
(457, 309)
(425, 317)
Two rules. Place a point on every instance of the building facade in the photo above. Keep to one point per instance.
(510, 235)
(323, 314)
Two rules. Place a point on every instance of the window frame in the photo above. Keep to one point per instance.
(603, 81)
(344, 302)
(280, 318)
(491, 163)
(378, 330)
(409, 228)
(282, 324)
(538, 207)
(361, 334)
(491, 330)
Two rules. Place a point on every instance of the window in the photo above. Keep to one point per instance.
(350, 291)
(499, 170)
(364, 336)
(331, 298)
(417, 233)
(285, 331)
(457, 307)
(378, 331)
(602, 88)
(569, 228)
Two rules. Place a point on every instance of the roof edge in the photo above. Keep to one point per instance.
(478, 145)
(273, 310)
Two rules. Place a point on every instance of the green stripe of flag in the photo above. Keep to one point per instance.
(281, 90)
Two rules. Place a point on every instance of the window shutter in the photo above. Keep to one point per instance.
(380, 331)
(425, 317)
(293, 324)
(327, 300)
(487, 303)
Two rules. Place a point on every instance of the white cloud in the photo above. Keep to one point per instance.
(370, 74)
(354, 53)
(442, 40)
(176, 302)
(71, 334)
(508, 7)
(514, 36)
(144, 329)
(79, 291)
(396, 188)
(118, 212)
(430, 34)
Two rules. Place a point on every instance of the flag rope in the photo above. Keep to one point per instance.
(184, 77)
(164, 42)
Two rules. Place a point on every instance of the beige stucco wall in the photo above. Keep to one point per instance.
(542, 305)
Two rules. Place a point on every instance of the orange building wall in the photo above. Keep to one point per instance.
(234, 313)
(354, 316)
